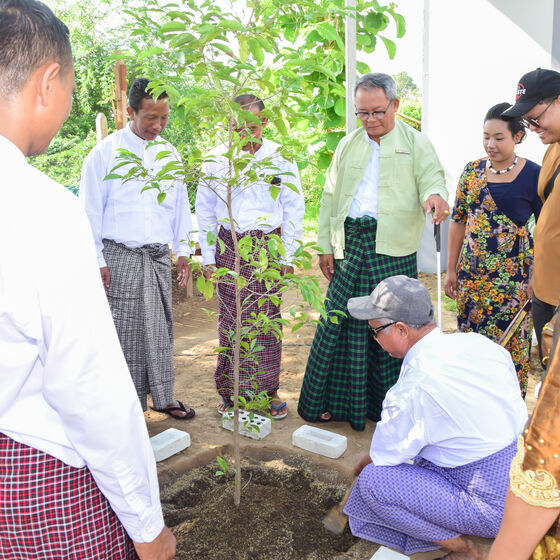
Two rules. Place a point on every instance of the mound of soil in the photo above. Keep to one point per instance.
(283, 502)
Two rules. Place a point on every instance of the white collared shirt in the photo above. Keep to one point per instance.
(253, 207)
(66, 388)
(457, 400)
(120, 211)
(365, 199)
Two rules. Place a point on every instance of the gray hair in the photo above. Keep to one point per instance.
(377, 80)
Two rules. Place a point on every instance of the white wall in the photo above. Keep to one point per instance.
(475, 51)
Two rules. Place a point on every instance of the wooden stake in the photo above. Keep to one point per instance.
(121, 116)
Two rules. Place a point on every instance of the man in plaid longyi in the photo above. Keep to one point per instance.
(383, 178)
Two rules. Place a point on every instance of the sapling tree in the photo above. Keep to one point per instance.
(289, 54)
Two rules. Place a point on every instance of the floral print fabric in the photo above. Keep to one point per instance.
(494, 267)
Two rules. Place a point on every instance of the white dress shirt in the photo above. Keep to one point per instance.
(457, 400)
(66, 389)
(120, 211)
(253, 207)
(365, 199)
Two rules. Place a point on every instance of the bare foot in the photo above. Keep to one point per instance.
(223, 407)
(463, 548)
(326, 416)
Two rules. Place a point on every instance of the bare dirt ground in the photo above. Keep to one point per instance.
(195, 339)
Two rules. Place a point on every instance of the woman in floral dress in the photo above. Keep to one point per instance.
(490, 248)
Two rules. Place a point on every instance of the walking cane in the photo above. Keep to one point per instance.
(438, 261)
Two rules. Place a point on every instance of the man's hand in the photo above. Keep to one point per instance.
(105, 277)
(286, 269)
(437, 207)
(450, 286)
(326, 264)
(183, 271)
(362, 460)
(208, 270)
(161, 548)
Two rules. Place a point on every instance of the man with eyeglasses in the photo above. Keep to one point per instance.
(438, 464)
(383, 178)
(538, 101)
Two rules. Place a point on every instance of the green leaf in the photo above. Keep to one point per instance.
(340, 107)
(324, 160)
(401, 26)
(243, 48)
(333, 138)
(162, 154)
(231, 25)
(112, 176)
(222, 463)
(362, 67)
(149, 52)
(200, 283)
(161, 197)
(391, 47)
(222, 246)
(211, 238)
(329, 32)
(256, 51)
(208, 290)
(172, 26)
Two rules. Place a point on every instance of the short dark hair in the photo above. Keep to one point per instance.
(138, 91)
(248, 100)
(30, 36)
(515, 124)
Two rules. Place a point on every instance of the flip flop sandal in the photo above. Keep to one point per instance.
(277, 408)
(190, 414)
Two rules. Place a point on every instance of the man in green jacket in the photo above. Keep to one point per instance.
(381, 182)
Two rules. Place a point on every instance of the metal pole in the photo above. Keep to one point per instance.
(350, 43)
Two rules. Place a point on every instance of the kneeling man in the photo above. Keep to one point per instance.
(439, 458)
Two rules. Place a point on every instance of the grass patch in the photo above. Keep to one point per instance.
(449, 304)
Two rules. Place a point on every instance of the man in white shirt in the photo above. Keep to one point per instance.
(132, 228)
(439, 459)
(77, 473)
(255, 213)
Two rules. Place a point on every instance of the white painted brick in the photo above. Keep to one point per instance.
(169, 442)
(319, 441)
(256, 428)
(387, 554)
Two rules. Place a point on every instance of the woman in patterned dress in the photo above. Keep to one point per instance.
(490, 248)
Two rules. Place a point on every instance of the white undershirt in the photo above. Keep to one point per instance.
(457, 400)
(66, 388)
(365, 199)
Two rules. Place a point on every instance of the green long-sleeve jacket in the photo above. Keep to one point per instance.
(409, 172)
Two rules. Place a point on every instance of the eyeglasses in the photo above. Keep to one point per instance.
(535, 122)
(377, 115)
(376, 330)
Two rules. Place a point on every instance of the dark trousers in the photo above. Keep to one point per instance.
(542, 313)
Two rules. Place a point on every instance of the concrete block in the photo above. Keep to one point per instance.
(257, 427)
(387, 554)
(319, 441)
(169, 442)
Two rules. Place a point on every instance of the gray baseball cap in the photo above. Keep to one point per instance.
(398, 298)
